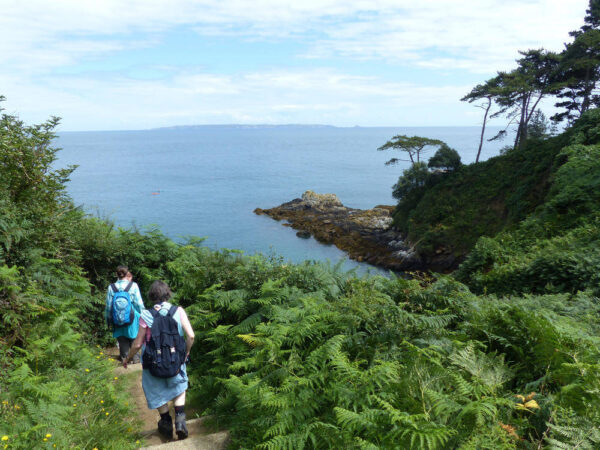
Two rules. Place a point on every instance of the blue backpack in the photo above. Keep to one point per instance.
(122, 310)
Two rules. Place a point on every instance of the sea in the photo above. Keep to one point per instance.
(207, 180)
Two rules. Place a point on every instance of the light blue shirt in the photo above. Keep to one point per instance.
(163, 311)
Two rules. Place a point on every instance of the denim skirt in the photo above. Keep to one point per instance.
(159, 391)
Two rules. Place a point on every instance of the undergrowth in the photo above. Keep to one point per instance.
(293, 356)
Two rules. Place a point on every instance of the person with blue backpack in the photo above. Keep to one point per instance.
(167, 337)
(124, 306)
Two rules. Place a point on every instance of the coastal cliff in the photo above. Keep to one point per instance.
(366, 235)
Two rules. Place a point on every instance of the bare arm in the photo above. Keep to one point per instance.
(136, 344)
(187, 329)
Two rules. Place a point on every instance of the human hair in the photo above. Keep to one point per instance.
(122, 271)
(159, 292)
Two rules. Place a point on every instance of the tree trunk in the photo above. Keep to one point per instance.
(585, 104)
(522, 133)
(487, 110)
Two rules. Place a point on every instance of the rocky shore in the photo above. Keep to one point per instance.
(366, 235)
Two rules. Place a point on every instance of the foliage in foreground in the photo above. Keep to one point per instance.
(56, 389)
(304, 356)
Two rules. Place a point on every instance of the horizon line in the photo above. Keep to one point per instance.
(268, 125)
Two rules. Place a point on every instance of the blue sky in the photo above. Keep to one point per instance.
(139, 64)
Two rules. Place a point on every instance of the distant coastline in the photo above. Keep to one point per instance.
(249, 126)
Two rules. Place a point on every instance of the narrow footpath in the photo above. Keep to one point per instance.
(200, 437)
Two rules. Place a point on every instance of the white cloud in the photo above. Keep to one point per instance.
(278, 96)
(481, 32)
(40, 38)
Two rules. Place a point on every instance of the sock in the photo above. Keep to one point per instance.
(165, 416)
(179, 410)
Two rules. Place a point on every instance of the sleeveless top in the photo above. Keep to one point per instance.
(146, 319)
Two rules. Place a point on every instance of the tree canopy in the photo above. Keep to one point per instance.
(413, 146)
(571, 76)
(445, 159)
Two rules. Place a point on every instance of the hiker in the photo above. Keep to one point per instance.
(124, 306)
(164, 378)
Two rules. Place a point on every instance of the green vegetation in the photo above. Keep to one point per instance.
(56, 389)
(412, 146)
(501, 355)
(307, 356)
(570, 76)
(448, 214)
(557, 248)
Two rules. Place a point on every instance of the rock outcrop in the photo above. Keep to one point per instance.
(366, 235)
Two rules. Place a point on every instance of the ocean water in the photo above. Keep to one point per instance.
(206, 181)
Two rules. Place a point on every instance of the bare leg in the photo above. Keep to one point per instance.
(180, 427)
(179, 400)
(163, 409)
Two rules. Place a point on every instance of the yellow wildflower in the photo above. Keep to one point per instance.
(45, 440)
(85, 393)
(87, 370)
(5, 402)
(5, 438)
(106, 414)
(101, 353)
(75, 395)
(116, 378)
(48, 435)
(17, 407)
(74, 404)
(101, 401)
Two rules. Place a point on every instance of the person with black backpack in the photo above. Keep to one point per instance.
(124, 306)
(167, 336)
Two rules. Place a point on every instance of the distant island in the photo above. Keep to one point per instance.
(248, 126)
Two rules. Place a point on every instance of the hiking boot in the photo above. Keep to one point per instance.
(180, 428)
(165, 427)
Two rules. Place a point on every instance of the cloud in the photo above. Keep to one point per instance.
(319, 95)
(478, 34)
(42, 42)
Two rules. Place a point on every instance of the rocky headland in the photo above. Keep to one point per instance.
(366, 235)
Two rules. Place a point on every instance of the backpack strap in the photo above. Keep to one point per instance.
(114, 288)
(172, 310)
(128, 286)
(153, 312)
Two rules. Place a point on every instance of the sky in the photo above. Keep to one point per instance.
(138, 64)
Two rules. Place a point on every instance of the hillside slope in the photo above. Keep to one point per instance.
(445, 219)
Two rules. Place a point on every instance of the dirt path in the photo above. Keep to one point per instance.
(200, 437)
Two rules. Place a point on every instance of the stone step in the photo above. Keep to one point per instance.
(199, 436)
(214, 441)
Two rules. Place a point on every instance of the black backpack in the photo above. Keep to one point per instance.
(165, 352)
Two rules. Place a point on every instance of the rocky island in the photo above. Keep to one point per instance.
(366, 235)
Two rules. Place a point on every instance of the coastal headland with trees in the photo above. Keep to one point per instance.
(501, 353)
